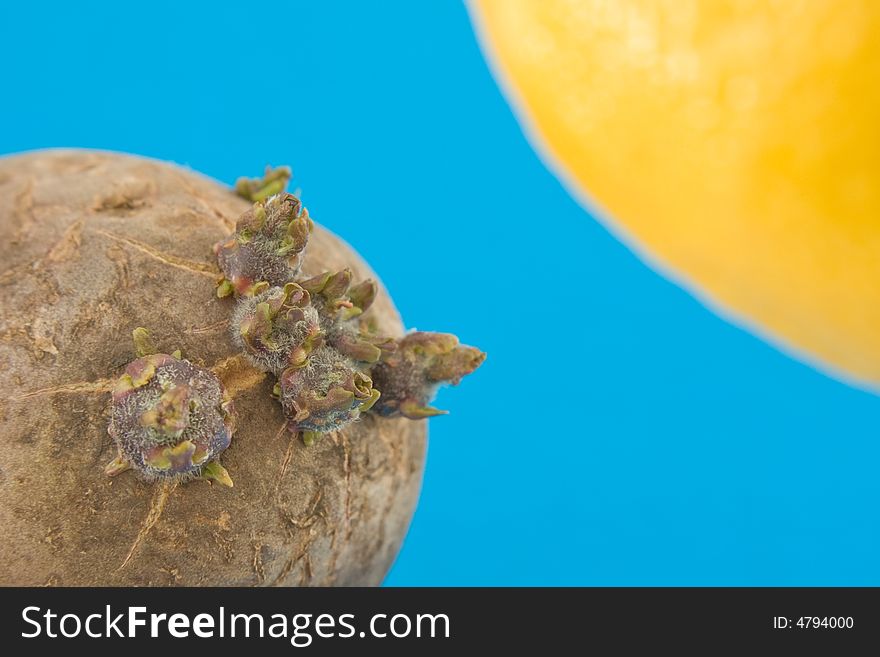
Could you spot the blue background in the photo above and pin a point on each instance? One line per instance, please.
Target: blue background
(619, 432)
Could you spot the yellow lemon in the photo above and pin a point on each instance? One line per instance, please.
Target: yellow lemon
(736, 143)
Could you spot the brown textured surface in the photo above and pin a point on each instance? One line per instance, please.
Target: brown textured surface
(96, 244)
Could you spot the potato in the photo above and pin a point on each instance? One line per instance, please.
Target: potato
(98, 244)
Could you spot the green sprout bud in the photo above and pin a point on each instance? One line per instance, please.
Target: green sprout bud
(278, 328)
(268, 245)
(410, 375)
(274, 181)
(169, 418)
(326, 394)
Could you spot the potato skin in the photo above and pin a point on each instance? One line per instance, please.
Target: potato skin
(96, 244)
